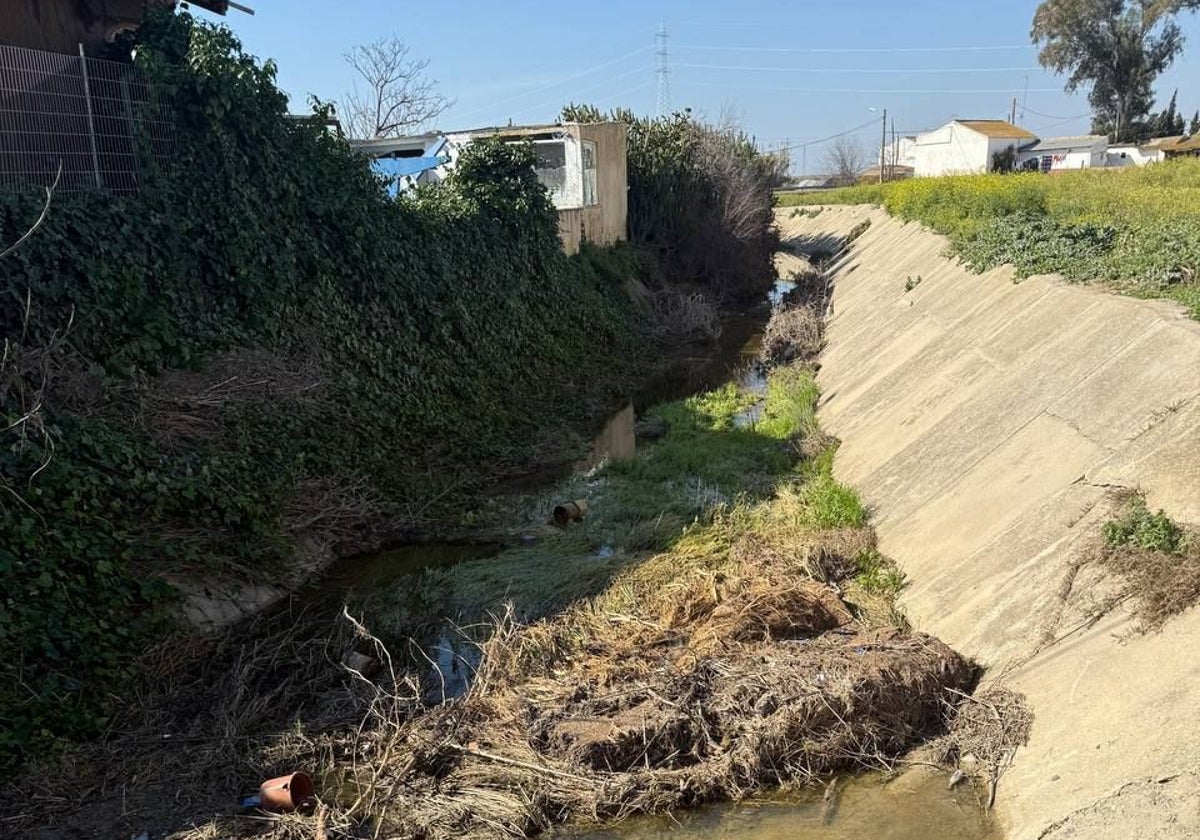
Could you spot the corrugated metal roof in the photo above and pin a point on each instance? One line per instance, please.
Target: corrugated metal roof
(998, 128)
(1057, 144)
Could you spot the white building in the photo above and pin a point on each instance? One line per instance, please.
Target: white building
(1140, 154)
(968, 146)
(1054, 154)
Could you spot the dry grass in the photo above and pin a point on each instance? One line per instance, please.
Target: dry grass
(704, 674)
(186, 405)
(1161, 584)
(796, 333)
(686, 315)
(987, 728)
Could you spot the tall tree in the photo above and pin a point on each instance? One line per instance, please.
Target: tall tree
(1116, 48)
(1169, 122)
(398, 96)
(1194, 128)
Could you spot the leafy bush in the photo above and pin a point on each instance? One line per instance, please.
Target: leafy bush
(700, 198)
(1139, 528)
(441, 338)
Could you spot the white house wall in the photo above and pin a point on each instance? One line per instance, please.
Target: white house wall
(952, 150)
(1132, 156)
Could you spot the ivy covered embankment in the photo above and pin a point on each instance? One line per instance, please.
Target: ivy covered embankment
(258, 348)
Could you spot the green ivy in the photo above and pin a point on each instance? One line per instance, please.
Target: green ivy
(449, 330)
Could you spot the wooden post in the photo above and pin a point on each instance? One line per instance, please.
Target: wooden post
(883, 147)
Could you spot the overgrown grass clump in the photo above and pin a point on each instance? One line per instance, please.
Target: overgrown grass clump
(1136, 228)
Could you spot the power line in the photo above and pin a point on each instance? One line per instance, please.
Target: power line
(558, 83)
(858, 128)
(604, 83)
(1055, 116)
(892, 70)
(827, 50)
(890, 91)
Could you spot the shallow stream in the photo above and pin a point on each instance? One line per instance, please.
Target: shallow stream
(916, 806)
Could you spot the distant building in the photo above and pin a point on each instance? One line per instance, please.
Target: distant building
(582, 165)
(62, 25)
(968, 146)
(1053, 154)
(1183, 147)
(1140, 154)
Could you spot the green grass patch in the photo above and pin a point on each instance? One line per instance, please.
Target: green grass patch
(709, 467)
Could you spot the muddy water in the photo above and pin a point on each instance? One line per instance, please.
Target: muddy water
(915, 807)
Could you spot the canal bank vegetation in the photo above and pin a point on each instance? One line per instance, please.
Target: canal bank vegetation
(1136, 229)
(261, 352)
(719, 623)
(257, 363)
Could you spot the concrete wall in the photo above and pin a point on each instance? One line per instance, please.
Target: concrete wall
(1132, 156)
(988, 424)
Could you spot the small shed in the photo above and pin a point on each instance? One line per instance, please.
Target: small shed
(1053, 154)
(582, 165)
(967, 146)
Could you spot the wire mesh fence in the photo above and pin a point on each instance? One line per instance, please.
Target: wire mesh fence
(96, 119)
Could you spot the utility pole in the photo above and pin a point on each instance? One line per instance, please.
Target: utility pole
(664, 73)
(883, 146)
(1013, 119)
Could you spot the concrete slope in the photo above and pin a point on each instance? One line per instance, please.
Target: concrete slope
(987, 423)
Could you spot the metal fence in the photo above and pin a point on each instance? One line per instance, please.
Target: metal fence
(94, 118)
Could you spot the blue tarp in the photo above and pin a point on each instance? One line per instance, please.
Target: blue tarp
(396, 168)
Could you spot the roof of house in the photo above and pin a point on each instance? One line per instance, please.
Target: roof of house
(998, 128)
(381, 146)
(1063, 144)
(1183, 144)
(1161, 142)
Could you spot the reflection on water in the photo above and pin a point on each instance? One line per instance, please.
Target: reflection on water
(375, 571)
(916, 806)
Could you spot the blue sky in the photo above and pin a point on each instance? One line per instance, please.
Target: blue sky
(792, 71)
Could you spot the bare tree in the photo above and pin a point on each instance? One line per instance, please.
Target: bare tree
(845, 159)
(398, 96)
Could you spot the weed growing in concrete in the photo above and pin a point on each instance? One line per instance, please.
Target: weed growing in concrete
(1158, 561)
(1139, 528)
